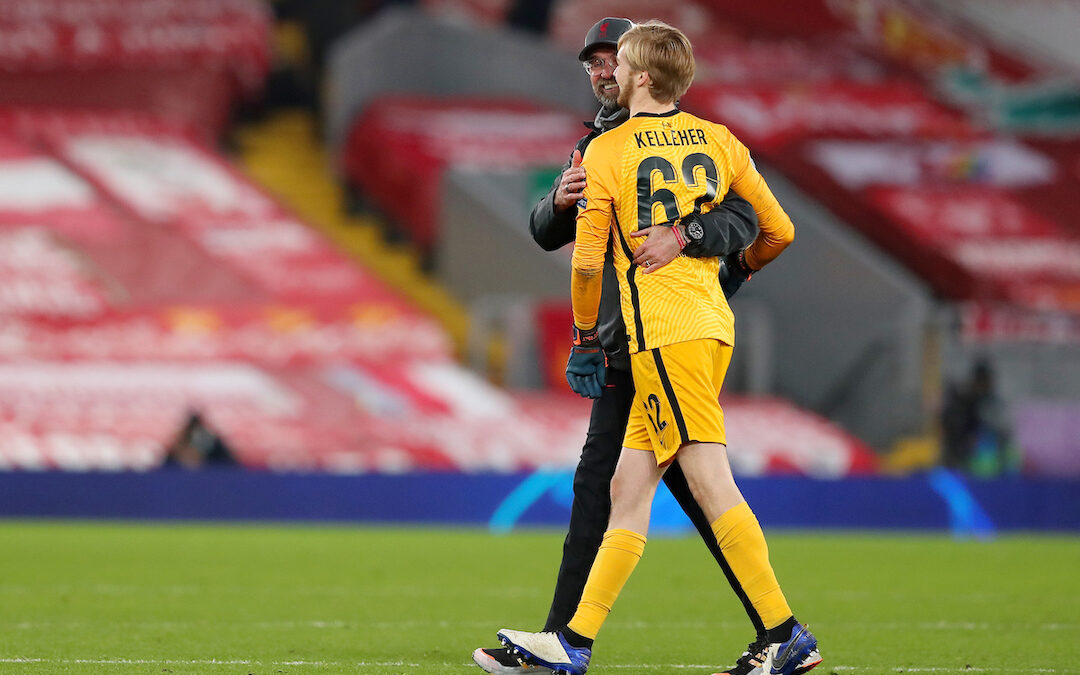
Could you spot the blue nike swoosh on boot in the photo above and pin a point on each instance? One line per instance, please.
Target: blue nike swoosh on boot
(801, 643)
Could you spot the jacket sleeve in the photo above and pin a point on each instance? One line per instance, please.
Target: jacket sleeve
(550, 228)
(729, 227)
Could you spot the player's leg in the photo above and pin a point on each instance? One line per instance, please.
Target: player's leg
(754, 654)
(632, 488)
(708, 474)
(676, 483)
(688, 402)
(591, 508)
(589, 514)
(792, 648)
(632, 491)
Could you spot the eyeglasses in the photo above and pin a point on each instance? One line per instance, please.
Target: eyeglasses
(596, 66)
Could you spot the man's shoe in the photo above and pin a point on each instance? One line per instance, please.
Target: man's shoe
(750, 661)
(502, 662)
(753, 658)
(550, 650)
(798, 655)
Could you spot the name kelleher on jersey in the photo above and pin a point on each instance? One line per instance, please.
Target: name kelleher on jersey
(662, 139)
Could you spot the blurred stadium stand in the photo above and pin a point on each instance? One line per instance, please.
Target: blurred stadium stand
(931, 228)
(316, 305)
(144, 276)
(183, 61)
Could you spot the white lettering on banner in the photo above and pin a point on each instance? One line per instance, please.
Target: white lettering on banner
(947, 217)
(1010, 324)
(460, 390)
(978, 220)
(38, 183)
(140, 381)
(52, 297)
(856, 164)
(32, 250)
(389, 460)
(162, 180)
(960, 216)
(132, 11)
(507, 442)
(76, 451)
(998, 162)
(763, 118)
(341, 278)
(490, 139)
(90, 40)
(22, 451)
(264, 238)
(145, 339)
(178, 37)
(369, 393)
(462, 126)
(28, 42)
(747, 62)
(1025, 257)
(39, 277)
(72, 35)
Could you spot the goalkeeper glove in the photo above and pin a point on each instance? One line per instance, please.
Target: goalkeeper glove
(586, 371)
(734, 272)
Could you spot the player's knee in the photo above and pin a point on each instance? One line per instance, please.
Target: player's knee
(704, 492)
(627, 495)
(620, 494)
(616, 490)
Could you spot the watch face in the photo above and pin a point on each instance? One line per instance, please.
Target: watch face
(695, 231)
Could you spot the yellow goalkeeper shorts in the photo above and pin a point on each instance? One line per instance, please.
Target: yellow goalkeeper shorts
(677, 397)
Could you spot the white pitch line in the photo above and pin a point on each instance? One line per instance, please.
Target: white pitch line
(405, 664)
(212, 662)
(337, 624)
(955, 670)
(190, 589)
(261, 625)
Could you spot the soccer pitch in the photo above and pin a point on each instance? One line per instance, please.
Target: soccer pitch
(179, 598)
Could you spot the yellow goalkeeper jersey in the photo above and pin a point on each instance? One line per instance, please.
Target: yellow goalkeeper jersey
(652, 170)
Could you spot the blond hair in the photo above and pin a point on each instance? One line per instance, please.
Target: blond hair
(665, 53)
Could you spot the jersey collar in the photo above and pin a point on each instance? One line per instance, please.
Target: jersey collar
(669, 113)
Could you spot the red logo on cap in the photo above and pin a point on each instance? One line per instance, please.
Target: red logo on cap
(603, 29)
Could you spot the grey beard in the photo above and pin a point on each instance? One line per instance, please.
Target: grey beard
(610, 117)
(606, 101)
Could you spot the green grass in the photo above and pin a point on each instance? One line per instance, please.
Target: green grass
(119, 598)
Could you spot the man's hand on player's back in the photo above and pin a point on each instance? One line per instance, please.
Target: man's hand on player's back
(660, 247)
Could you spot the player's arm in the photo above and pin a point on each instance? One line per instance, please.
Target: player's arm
(591, 238)
(728, 228)
(586, 368)
(775, 229)
(553, 226)
(731, 226)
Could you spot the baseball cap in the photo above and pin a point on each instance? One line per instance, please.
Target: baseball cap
(605, 33)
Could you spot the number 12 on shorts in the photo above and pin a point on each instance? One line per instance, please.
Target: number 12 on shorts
(653, 413)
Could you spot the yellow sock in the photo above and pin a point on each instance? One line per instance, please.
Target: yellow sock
(743, 543)
(619, 554)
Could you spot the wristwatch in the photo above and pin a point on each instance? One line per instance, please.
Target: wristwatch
(695, 233)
